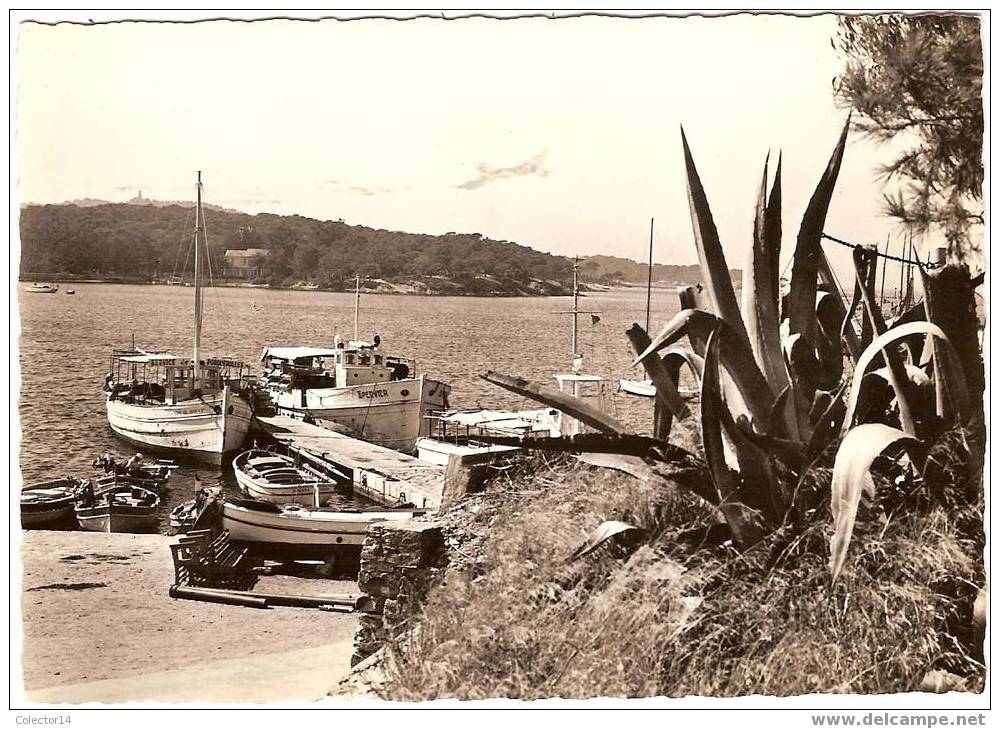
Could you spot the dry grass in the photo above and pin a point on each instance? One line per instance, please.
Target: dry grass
(518, 620)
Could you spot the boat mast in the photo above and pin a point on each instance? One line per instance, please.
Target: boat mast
(649, 274)
(357, 305)
(197, 287)
(576, 303)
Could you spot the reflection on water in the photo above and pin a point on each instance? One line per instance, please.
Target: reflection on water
(66, 343)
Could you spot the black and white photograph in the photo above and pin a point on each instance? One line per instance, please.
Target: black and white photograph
(500, 359)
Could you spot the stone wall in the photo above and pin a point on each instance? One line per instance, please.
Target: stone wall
(399, 563)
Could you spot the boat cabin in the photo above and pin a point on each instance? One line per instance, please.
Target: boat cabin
(142, 378)
(309, 368)
(589, 388)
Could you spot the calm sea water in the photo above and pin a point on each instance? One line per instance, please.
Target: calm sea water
(66, 342)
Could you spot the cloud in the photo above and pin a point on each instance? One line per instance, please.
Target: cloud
(363, 190)
(533, 167)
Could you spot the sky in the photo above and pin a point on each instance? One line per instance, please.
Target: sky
(563, 135)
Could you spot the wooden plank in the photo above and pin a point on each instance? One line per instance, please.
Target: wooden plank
(381, 474)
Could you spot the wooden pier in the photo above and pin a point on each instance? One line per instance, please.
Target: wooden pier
(381, 474)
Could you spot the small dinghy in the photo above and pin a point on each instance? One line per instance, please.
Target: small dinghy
(156, 485)
(280, 480)
(185, 515)
(49, 504)
(122, 508)
(296, 530)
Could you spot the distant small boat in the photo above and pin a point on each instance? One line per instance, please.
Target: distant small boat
(48, 503)
(642, 388)
(280, 480)
(298, 530)
(39, 288)
(124, 508)
(646, 388)
(70, 292)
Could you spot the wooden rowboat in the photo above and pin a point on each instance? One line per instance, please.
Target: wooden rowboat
(280, 480)
(292, 529)
(48, 504)
(123, 508)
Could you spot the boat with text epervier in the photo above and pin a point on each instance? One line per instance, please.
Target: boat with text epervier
(355, 386)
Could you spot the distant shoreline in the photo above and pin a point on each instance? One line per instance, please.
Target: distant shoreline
(401, 289)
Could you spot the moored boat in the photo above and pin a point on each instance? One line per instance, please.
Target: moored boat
(123, 508)
(49, 504)
(642, 388)
(185, 515)
(291, 529)
(281, 480)
(356, 387)
(189, 408)
(40, 288)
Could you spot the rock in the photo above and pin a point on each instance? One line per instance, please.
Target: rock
(941, 682)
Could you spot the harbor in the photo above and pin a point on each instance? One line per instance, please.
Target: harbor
(493, 356)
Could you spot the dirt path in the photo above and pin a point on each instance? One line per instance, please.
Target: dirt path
(98, 622)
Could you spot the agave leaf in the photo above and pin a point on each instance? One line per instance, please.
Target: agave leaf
(572, 406)
(738, 516)
(760, 299)
(718, 283)
(848, 334)
(827, 425)
(828, 351)
(734, 351)
(772, 233)
(897, 373)
(808, 251)
(956, 397)
(861, 446)
(666, 388)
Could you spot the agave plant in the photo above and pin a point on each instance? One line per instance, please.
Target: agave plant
(782, 378)
(772, 372)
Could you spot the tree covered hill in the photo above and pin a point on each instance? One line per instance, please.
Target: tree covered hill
(613, 269)
(143, 240)
(148, 241)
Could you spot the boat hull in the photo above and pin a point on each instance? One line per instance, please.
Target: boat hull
(642, 388)
(286, 493)
(305, 534)
(390, 414)
(52, 506)
(191, 429)
(101, 519)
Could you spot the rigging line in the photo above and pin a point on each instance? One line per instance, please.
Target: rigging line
(901, 259)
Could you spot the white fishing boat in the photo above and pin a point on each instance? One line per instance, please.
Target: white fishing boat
(49, 504)
(367, 393)
(185, 407)
(464, 433)
(279, 479)
(122, 508)
(296, 529)
(40, 288)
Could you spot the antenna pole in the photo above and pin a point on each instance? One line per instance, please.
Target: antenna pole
(885, 263)
(649, 273)
(357, 306)
(197, 287)
(576, 301)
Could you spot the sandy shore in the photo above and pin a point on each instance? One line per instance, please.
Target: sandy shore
(100, 626)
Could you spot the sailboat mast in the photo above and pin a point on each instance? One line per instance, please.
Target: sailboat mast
(197, 286)
(357, 306)
(576, 302)
(649, 273)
